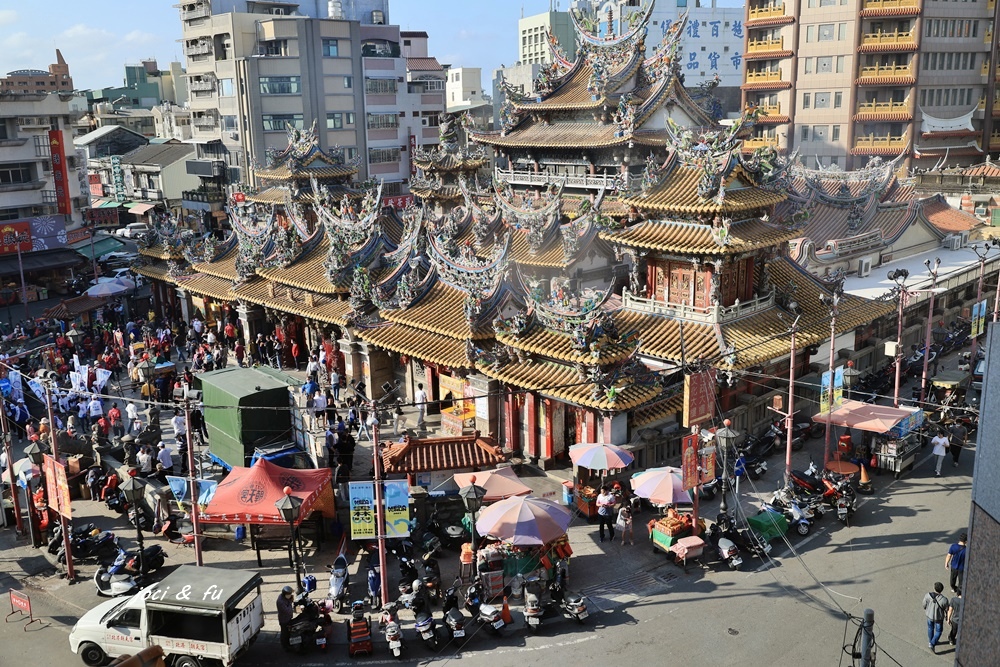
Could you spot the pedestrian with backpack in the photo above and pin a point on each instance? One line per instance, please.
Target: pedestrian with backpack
(935, 609)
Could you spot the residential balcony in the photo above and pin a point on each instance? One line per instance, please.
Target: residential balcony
(897, 40)
(199, 49)
(202, 86)
(985, 69)
(770, 109)
(205, 122)
(764, 76)
(883, 111)
(752, 143)
(765, 44)
(590, 182)
(995, 140)
(988, 37)
(201, 11)
(770, 11)
(890, 8)
(18, 187)
(880, 144)
(886, 75)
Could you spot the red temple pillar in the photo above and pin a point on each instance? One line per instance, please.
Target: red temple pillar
(532, 444)
(511, 410)
(606, 424)
(591, 426)
(547, 442)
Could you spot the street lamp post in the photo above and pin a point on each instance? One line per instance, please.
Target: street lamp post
(727, 438)
(472, 495)
(145, 369)
(940, 335)
(930, 317)
(134, 489)
(982, 252)
(831, 301)
(288, 508)
(75, 336)
(899, 277)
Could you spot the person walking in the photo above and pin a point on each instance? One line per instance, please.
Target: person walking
(954, 562)
(240, 353)
(940, 444)
(132, 414)
(399, 418)
(624, 524)
(605, 512)
(935, 609)
(959, 436)
(420, 398)
(164, 458)
(954, 617)
(144, 459)
(335, 385)
(319, 408)
(117, 426)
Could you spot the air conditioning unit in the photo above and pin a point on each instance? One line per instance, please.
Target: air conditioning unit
(980, 211)
(864, 267)
(425, 121)
(952, 242)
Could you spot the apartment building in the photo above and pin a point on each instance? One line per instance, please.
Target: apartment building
(532, 48)
(145, 85)
(57, 78)
(40, 171)
(841, 81)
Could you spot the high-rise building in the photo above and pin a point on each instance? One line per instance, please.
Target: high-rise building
(533, 31)
(57, 78)
(838, 79)
(254, 67)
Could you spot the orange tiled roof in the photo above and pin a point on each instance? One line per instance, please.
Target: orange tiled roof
(766, 85)
(447, 192)
(450, 162)
(885, 150)
(420, 344)
(68, 309)
(769, 21)
(558, 345)
(224, 267)
(947, 218)
(693, 238)
(678, 193)
(206, 285)
(767, 55)
(888, 46)
(160, 251)
(987, 169)
(154, 271)
(886, 80)
(661, 336)
(322, 307)
(423, 64)
(773, 119)
(882, 117)
(655, 412)
(568, 135)
(912, 10)
(415, 455)
(563, 382)
(283, 173)
(307, 272)
(442, 311)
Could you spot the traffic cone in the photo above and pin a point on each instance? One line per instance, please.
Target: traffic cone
(865, 485)
(505, 612)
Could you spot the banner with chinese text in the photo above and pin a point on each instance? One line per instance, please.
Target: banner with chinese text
(699, 397)
(60, 172)
(57, 486)
(689, 461)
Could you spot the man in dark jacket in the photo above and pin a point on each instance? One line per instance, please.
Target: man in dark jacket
(286, 611)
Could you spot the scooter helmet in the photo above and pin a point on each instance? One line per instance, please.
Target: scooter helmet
(95, 532)
(287, 590)
(427, 557)
(417, 583)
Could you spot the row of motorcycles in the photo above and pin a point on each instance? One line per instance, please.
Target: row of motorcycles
(121, 571)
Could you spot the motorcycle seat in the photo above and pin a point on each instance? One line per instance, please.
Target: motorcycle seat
(454, 532)
(487, 609)
(455, 615)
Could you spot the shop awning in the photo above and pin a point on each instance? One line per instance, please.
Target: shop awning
(248, 495)
(874, 418)
(39, 261)
(98, 203)
(111, 203)
(139, 208)
(101, 247)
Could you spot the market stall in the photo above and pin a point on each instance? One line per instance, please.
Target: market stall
(891, 435)
(597, 457)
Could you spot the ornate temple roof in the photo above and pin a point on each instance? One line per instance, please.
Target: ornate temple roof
(304, 159)
(673, 236)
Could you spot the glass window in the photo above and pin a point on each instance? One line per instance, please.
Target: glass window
(225, 87)
(808, 65)
(923, 97)
(810, 33)
(806, 100)
(229, 123)
(841, 31)
(835, 132)
(280, 85)
(382, 121)
(827, 3)
(948, 61)
(937, 97)
(804, 133)
(350, 118)
(937, 28)
(840, 64)
(838, 100)
(334, 121)
(380, 86)
(927, 28)
(350, 153)
(383, 155)
(951, 28)
(819, 132)
(821, 101)
(975, 27)
(824, 64)
(348, 82)
(331, 48)
(826, 32)
(276, 122)
(15, 172)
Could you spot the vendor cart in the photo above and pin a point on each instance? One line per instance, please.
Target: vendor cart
(894, 432)
(586, 502)
(768, 525)
(687, 548)
(666, 531)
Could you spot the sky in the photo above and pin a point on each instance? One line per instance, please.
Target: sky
(98, 37)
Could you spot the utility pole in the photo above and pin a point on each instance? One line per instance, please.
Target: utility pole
(379, 509)
(930, 317)
(867, 639)
(5, 427)
(192, 482)
(70, 571)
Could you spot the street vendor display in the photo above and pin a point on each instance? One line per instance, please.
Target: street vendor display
(668, 529)
(892, 434)
(598, 457)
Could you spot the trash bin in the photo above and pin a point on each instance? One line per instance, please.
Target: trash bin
(567, 495)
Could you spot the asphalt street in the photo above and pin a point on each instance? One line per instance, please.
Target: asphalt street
(790, 610)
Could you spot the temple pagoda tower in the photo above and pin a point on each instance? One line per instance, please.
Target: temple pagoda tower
(444, 166)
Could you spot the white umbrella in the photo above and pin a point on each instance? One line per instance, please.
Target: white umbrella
(122, 280)
(107, 290)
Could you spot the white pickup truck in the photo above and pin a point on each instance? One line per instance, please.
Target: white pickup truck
(199, 616)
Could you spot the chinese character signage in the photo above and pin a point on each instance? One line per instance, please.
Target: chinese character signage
(397, 508)
(15, 236)
(699, 397)
(398, 202)
(57, 486)
(60, 173)
(362, 510)
(118, 178)
(689, 461)
(413, 149)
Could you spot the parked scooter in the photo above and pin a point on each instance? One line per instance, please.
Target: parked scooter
(454, 619)
(571, 604)
(407, 575)
(812, 505)
(801, 431)
(339, 592)
(533, 610)
(745, 540)
(432, 577)
(426, 627)
(486, 614)
(112, 581)
(153, 558)
(76, 533)
(308, 629)
(99, 546)
(389, 622)
(752, 467)
(451, 535)
(796, 517)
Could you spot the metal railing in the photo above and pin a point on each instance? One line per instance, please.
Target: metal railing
(199, 12)
(708, 315)
(891, 4)
(199, 49)
(884, 107)
(895, 37)
(764, 75)
(760, 142)
(596, 181)
(878, 141)
(765, 44)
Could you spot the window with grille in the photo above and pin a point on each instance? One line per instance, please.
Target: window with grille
(15, 172)
(382, 121)
(383, 155)
(280, 85)
(380, 86)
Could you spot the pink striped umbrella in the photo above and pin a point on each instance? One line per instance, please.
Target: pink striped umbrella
(524, 521)
(599, 456)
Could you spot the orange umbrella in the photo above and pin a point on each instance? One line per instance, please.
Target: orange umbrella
(499, 484)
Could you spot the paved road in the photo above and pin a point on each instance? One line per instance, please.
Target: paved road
(775, 614)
